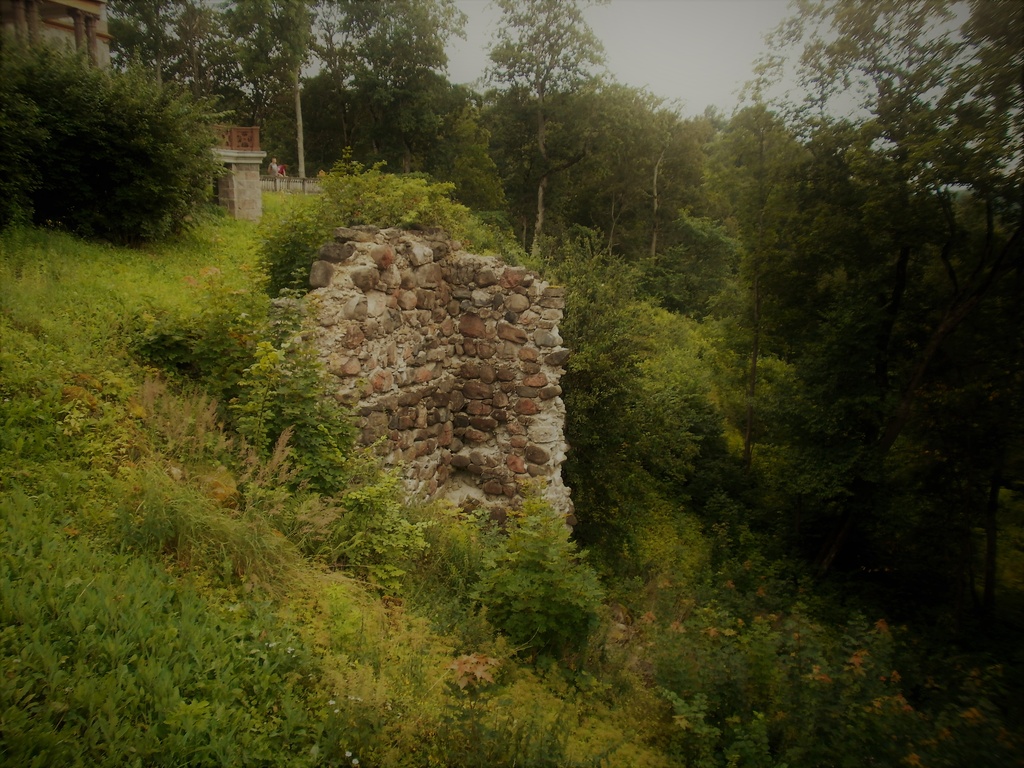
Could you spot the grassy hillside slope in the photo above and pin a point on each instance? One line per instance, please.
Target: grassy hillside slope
(174, 593)
(152, 612)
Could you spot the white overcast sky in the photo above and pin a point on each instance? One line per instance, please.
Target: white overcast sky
(699, 52)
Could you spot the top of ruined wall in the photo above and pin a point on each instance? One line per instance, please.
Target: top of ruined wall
(452, 359)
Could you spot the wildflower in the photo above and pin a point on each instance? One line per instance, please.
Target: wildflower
(331, 703)
(348, 753)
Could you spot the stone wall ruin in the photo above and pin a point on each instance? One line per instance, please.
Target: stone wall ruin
(453, 359)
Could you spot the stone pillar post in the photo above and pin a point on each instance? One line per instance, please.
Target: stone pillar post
(238, 189)
(90, 37)
(79, 18)
(20, 22)
(32, 11)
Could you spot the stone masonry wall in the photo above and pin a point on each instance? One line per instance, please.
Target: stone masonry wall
(453, 358)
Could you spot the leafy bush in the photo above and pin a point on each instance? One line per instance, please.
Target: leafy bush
(21, 135)
(535, 586)
(355, 195)
(214, 340)
(285, 388)
(108, 661)
(100, 153)
(364, 528)
(256, 358)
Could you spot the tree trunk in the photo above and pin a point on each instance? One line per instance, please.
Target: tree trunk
(301, 144)
(538, 226)
(654, 206)
(755, 347)
(542, 184)
(988, 597)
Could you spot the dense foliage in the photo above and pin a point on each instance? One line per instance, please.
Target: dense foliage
(102, 154)
(357, 195)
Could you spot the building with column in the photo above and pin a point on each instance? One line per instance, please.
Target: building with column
(78, 24)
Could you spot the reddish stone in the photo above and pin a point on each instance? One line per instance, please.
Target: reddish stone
(478, 408)
(354, 337)
(472, 325)
(382, 256)
(423, 375)
(529, 353)
(516, 464)
(475, 436)
(476, 390)
(445, 438)
(537, 380)
(512, 276)
(382, 380)
(527, 407)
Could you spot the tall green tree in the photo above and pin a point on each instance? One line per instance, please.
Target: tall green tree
(271, 40)
(142, 32)
(755, 165)
(909, 223)
(386, 63)
(184, 41)
(643, 166)
(545, 53)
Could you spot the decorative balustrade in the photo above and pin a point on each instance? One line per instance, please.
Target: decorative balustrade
(291, 184)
